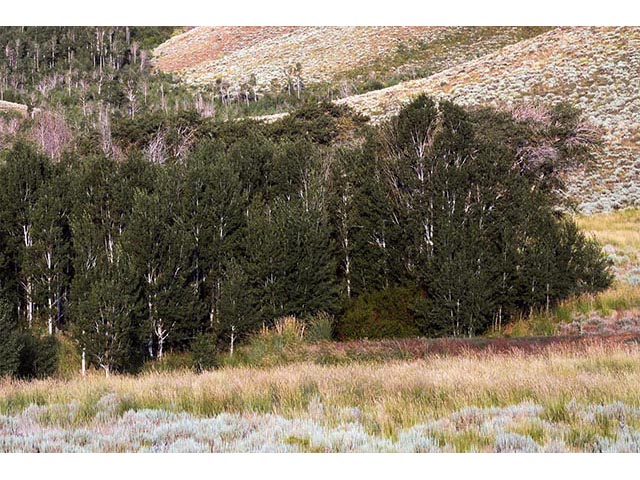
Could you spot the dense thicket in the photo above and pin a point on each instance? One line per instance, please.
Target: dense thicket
(89, 76)
(441, 221)
(85, 71)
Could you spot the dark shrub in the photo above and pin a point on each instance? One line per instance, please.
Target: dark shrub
(9, 340)
(38, 356)
(204, 352)
(382, 314)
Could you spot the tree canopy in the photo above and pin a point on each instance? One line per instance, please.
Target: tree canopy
(441, 221)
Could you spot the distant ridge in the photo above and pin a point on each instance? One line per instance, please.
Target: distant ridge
(234, 54)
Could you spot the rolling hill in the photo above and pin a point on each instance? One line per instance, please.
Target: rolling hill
(204, 54)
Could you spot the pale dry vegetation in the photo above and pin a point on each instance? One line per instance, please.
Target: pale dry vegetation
(234, 54)
(563, 398)
(619, 229)
(619, 233)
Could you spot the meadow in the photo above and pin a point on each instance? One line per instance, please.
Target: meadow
(584, 398)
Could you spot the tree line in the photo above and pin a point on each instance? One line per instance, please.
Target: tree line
(94, 73)
(452, 216)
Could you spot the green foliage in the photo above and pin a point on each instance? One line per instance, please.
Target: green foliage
(290, 259)
(278, 345)
(320, 327)
(204, 351)
(318, 122)
(38, 356)
(69, 358)
(134, 252)
(480, 233)
(10, 345)
(383, 314)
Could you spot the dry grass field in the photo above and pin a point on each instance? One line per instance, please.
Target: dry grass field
(560, 399)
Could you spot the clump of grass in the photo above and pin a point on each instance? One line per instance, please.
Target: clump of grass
(20, 399)
(320, 327)
(620, 297)
(277, 345)
(288, 328)
(470, 441)
(532, 429)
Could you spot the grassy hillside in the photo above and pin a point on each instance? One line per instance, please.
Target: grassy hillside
(327, 54)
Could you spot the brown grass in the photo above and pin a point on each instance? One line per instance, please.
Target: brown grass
(620, 228)
(391, 395)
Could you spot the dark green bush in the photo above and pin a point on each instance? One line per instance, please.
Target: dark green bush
(204, 351)
(38, 356)
(9, 340)
(383, 314)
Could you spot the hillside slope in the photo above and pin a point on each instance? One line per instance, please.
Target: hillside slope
(594, 68)
(204, 54)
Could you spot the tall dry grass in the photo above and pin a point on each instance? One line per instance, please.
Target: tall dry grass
(620, 228)
(390, 395)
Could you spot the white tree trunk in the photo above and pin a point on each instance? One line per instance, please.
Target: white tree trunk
(162, 334)
(29, 298)
(232, 340)
(50, 316)
(28, 283)
(160, 347)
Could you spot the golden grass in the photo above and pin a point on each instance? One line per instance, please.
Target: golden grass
(621, 297)
(391, 395)
(620, 228)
